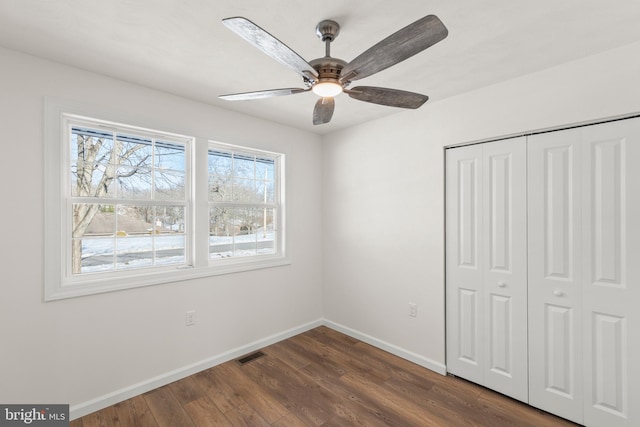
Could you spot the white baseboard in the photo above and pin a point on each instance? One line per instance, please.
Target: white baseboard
(393, 349)
(82, 409)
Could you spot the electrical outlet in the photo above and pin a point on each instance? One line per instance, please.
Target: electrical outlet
(413, 309)
(190, 318)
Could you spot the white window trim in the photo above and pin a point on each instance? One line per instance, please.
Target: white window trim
(57, 287)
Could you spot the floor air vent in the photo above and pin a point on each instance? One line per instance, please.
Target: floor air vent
(249, 357)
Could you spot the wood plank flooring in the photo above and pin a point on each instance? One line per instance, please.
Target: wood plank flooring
(320, 378)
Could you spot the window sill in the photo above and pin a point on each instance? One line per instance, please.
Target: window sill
(88, 286)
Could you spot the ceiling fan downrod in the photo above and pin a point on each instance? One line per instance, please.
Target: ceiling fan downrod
(327, 30)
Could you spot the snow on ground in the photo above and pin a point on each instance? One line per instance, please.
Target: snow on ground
(132, 245)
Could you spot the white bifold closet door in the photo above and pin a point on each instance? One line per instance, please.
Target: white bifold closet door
(584, 273)
(555, 273)
(486, 265)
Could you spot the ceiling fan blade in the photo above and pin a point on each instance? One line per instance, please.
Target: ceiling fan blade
(323, 110)
(270, 45)
(389, 97)
(401, 45)
(261, 94)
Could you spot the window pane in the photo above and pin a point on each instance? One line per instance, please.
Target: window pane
(243, 166)
(134, 252)
(170, 156)
(221, 233)
(170, 220)
(219, 188)
(96, 255)
(92, 219)
(134, 151)
(134, 220)
(265, 192)
(248, 220)
(169, 185)
(90, 145)
(92, 244)
(265, 169)
(133, 183)
(266, 232)
(235, 231)
(220, 175)
(170, 249)
(91, 180)
(245, 241)
(220, 163)
(244, 191)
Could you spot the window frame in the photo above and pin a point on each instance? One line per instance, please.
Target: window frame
(69, 121)
(277, 204)
(58, 285)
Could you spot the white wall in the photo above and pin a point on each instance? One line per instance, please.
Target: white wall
(76, 350)
(383, 210)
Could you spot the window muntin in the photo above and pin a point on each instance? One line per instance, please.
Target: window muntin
(128, 199)
(244, 203)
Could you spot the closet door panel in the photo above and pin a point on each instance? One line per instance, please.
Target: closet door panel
(559, 356)
(505, 271)
(554, 274)
(464, 259)
(611, 272)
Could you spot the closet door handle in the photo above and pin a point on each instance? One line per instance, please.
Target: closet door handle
(502, 285)
(558, 293)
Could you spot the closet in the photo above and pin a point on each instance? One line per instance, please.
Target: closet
(543, 270)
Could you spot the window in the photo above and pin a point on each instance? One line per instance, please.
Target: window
(127, 206)
(128, 197)
(243, 203)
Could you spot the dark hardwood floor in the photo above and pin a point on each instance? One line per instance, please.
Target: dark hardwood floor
(320, 378)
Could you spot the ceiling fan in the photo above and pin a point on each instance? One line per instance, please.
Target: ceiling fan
(328, 77)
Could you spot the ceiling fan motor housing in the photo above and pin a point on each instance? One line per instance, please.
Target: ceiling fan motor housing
(328, 68)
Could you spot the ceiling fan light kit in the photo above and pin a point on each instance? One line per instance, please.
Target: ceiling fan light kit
(328, 77)
(328, 88)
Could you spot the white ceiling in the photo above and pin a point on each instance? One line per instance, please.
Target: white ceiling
(181, 46)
